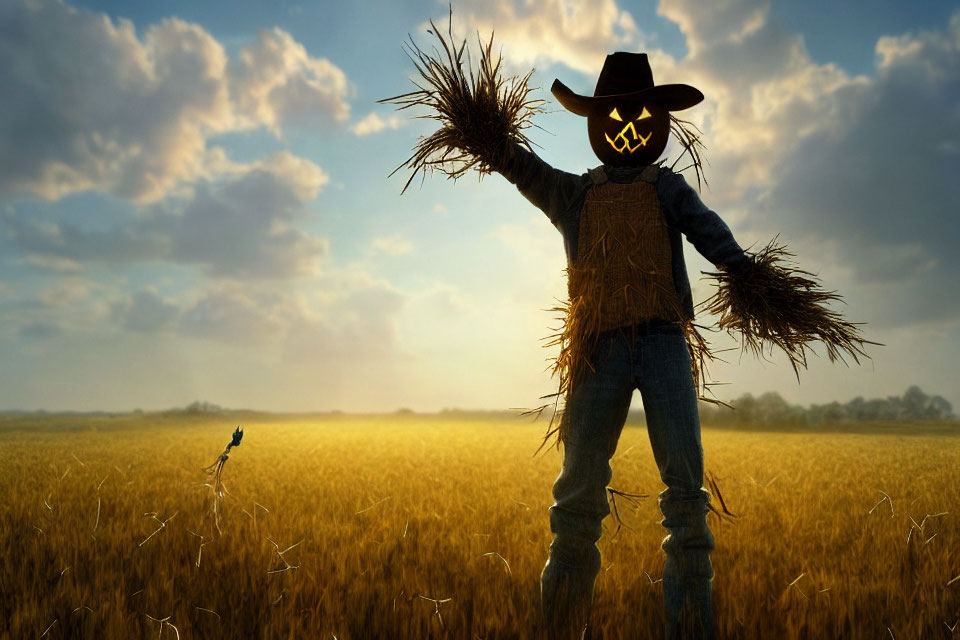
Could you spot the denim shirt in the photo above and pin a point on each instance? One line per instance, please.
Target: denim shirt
(560, 195)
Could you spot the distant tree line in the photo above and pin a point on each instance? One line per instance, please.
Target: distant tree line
(770, 409)
(199, 407)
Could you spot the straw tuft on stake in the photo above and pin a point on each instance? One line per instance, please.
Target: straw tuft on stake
(479, 111)
(216, 469)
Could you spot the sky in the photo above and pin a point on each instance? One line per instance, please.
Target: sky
(196, 201)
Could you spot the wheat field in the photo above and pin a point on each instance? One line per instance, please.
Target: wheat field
(412, 527)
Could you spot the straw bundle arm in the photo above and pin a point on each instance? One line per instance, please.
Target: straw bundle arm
(771, 303)
(480, 113)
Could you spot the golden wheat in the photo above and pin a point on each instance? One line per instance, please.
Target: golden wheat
(412, 527)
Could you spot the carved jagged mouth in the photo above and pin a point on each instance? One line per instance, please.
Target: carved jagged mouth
(628, 140)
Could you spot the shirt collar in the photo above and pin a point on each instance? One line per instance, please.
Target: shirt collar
(625, 175)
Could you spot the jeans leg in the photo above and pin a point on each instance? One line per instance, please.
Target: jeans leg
(687, 570)
(673, 423)
(594, 416)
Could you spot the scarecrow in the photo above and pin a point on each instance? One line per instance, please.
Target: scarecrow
(628, 322)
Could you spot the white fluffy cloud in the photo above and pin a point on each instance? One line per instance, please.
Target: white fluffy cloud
(764, 94)
(275, 82)
(577, 33)
(374, 123)
(90, 105)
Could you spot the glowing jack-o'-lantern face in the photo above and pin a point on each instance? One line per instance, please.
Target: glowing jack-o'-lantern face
(629, 134)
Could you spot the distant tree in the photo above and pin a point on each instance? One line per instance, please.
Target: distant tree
(916, 405)
(773, 410)
(199, 406)
(746, 409)
(941, 408)
(819, 414)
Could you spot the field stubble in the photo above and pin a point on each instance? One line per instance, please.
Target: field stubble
(410, 527)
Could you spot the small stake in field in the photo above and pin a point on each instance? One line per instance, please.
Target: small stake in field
(216, 469)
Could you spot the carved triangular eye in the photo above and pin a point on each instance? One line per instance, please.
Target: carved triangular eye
(645, 114)
(616, 115)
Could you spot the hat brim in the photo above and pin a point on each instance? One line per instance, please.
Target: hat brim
(673, 97)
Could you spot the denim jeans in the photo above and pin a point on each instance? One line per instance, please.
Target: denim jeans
(655, 360)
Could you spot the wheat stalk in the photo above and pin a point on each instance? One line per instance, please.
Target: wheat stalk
(162, 523)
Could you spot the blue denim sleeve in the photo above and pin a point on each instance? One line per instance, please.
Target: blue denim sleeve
(553, 191)
(708, 233)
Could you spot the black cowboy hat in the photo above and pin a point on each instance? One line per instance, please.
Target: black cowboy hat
(626, 77)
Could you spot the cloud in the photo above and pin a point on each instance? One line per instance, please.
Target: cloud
(353, 323)
(763, 92)
(146, 312)
(858, 170)
(52, 263)
(275, 82)
(240, 226)
(90, 105)
(535, 236)
(234, 315)
(373, 123)
(577, 33)
(244, 227)
(363, 329)
(534, 251)
(442, 301)
(883, 178)
(39, 330)
(716, 25)
(352, 318)
(65, 293)
(392, 245)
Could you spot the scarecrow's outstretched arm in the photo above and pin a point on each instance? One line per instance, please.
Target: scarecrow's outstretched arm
(762, 296)
(708, 233)
(550, 190)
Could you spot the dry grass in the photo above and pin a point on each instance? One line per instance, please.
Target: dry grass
(769, 302)
(480, 112)
(426, 527)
